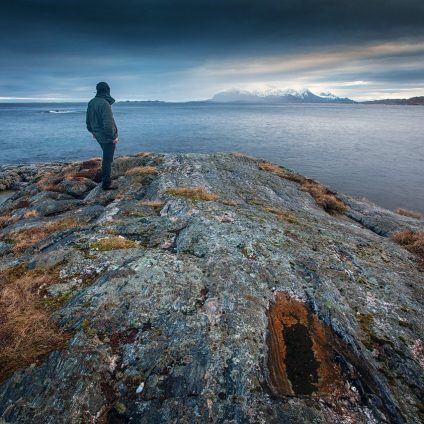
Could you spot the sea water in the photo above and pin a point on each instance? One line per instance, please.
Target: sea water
(372, 151)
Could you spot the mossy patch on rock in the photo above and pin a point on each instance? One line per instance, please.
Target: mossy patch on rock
(57, 301)
(113, 243)
(193, 193)
(142, 170)
(283, 215)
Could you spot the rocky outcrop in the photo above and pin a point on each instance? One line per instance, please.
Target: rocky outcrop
(15, 177)
(207, 289)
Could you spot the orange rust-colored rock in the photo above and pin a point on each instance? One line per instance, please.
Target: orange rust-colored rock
(299, 351)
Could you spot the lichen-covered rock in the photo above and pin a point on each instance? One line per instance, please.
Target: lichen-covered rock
(14, 177)
(77, 187)
(48, 195)
(254, 307)
(4, 247)
(380, 221)
(53, 207)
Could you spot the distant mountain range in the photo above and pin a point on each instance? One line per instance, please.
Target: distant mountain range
(277, 96)
(413, 101)
(287, 96)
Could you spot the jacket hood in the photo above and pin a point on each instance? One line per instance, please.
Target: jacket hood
(106, 96)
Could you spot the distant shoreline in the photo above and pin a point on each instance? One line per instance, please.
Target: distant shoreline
(387, 102)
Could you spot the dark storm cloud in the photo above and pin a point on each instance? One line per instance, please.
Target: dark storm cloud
(216, 25)
(60, 48)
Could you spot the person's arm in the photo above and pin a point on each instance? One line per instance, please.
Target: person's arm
(87, 122)
(109, 126)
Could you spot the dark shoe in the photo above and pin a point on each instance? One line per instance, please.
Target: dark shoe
(111, 186)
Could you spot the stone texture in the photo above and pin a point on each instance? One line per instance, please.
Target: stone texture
(14, 177)
(4, 247)
(54, 207)
(226, 312)
(78, 187)
(379, 220)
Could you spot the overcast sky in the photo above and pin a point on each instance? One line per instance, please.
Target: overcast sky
(191, 49)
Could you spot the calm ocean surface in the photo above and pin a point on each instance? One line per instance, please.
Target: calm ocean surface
(374, 151)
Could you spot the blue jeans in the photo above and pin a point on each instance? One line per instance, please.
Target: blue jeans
(108, 151)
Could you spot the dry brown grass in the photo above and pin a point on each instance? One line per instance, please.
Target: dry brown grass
(193, 193)
(243, 155)
(229, 202)
(113, 243)
(26, 331)
(23, 239)
(91, 163)
(90, 169)
(271, 167)
(411, 240)
(3, 220)
(6, 220)
(322, 195)
(31, 214)
(94, 174)
(283, 215)
(142, 170)
(75, 177)
(49, 182)
(281, 172)
(409, 213)
(142, 154)
(157, 204)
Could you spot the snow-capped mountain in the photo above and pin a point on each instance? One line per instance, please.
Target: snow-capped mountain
(328, 95)
(288, 95)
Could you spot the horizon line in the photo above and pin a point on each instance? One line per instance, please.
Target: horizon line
(10, 99)
(209, 100)
(19, 99)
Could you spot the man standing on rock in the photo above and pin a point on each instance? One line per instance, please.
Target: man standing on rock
(101, 124)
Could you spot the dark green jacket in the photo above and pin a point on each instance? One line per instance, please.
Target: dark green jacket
(100, 120)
